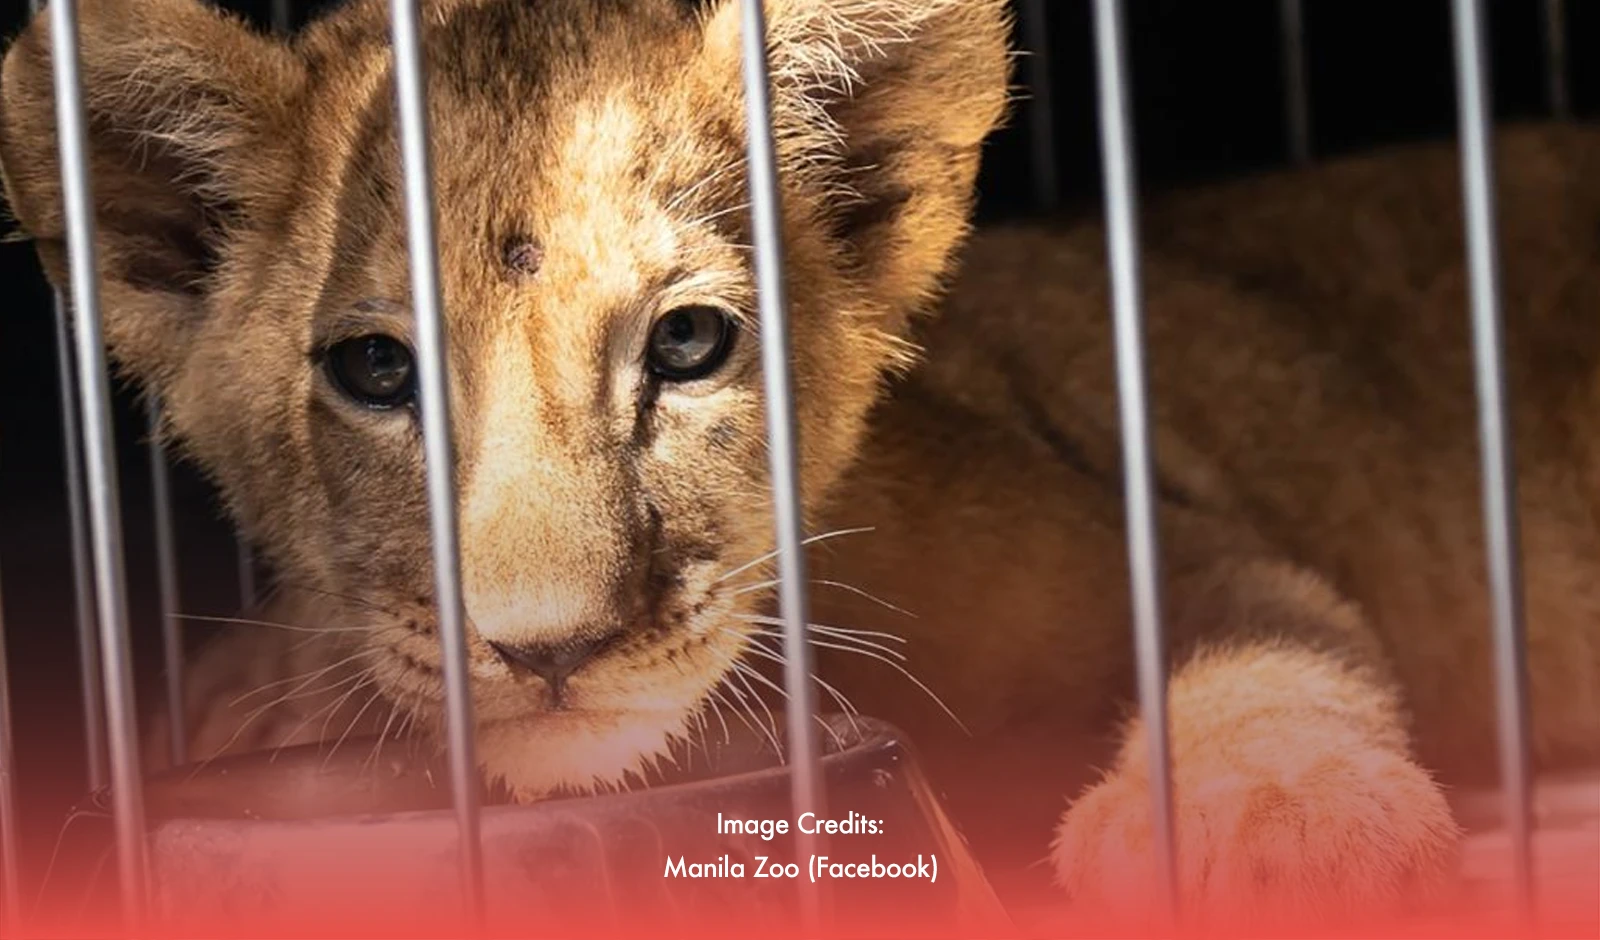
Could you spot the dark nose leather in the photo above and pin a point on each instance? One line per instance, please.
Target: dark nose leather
(554, 662)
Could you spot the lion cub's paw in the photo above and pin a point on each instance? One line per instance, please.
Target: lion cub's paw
(1343, 838)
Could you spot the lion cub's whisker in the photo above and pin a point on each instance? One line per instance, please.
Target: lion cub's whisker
(872, 654)
(849, 708)
(772, 720)
(263, 709)
(777, 657)
(745, 703)
(332, 711)
(376, 754)
(376, 695)
(716, 710)
(811, 540)
(720, 213)
(743, 714)
(368, 603)
(721, 173)
(309, 693)
(838, 633)
(303, 678)
(699, 720)
(248, 622)
(843, 700)
(844, 703)
(773, 582)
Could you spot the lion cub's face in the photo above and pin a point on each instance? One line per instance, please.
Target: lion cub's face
(597, 279)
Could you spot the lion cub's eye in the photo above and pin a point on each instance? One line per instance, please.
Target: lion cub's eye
(690, 342)
(374, 370)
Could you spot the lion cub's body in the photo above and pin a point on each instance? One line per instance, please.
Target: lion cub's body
(1313, 404)
(1312, 399)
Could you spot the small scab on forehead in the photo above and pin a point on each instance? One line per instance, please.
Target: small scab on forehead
(521, 256)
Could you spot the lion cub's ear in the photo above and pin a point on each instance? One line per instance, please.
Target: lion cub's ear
(888, 101)
(187, 112)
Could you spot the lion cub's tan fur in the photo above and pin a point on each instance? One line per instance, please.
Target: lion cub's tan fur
(1311, 385)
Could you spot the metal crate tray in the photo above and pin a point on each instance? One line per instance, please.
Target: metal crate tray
(302, 843)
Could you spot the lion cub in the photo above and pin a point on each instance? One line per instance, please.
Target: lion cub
(1312, 397)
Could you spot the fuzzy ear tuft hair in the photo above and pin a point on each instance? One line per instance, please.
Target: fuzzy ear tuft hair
(186, 108)
(887, 102)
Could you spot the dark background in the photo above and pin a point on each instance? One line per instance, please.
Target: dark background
(1208, 104)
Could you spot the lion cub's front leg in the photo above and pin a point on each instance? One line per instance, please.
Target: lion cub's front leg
(1296, 800)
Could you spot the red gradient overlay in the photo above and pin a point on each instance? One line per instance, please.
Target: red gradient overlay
(389, 882)
(582, 873)
(609, 920)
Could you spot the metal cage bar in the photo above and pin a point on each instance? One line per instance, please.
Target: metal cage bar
(167, 587)
(1041, 106)
(1296, 89)
(127, 790)
(93, 697)
(1557, 87)
(282, 16)
(247, 575)
(94, 715)
(433, 398)
(1122, 245)
(766, 214)
(1499, 472)
(10, 889)
(283, 24)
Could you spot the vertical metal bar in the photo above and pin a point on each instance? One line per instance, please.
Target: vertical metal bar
(94, 716)
(433, 399)
(1041, 109)
(766, 212)
(1555, 55)
(1122, 243)
(127, 789)
(247, 576)
(10, 858)
(1499, 472)
(1296, 91)
(282, 24)
(94, 708)
(167, 582)
(282, 16)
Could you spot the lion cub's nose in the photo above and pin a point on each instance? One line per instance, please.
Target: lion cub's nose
(554, 662)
